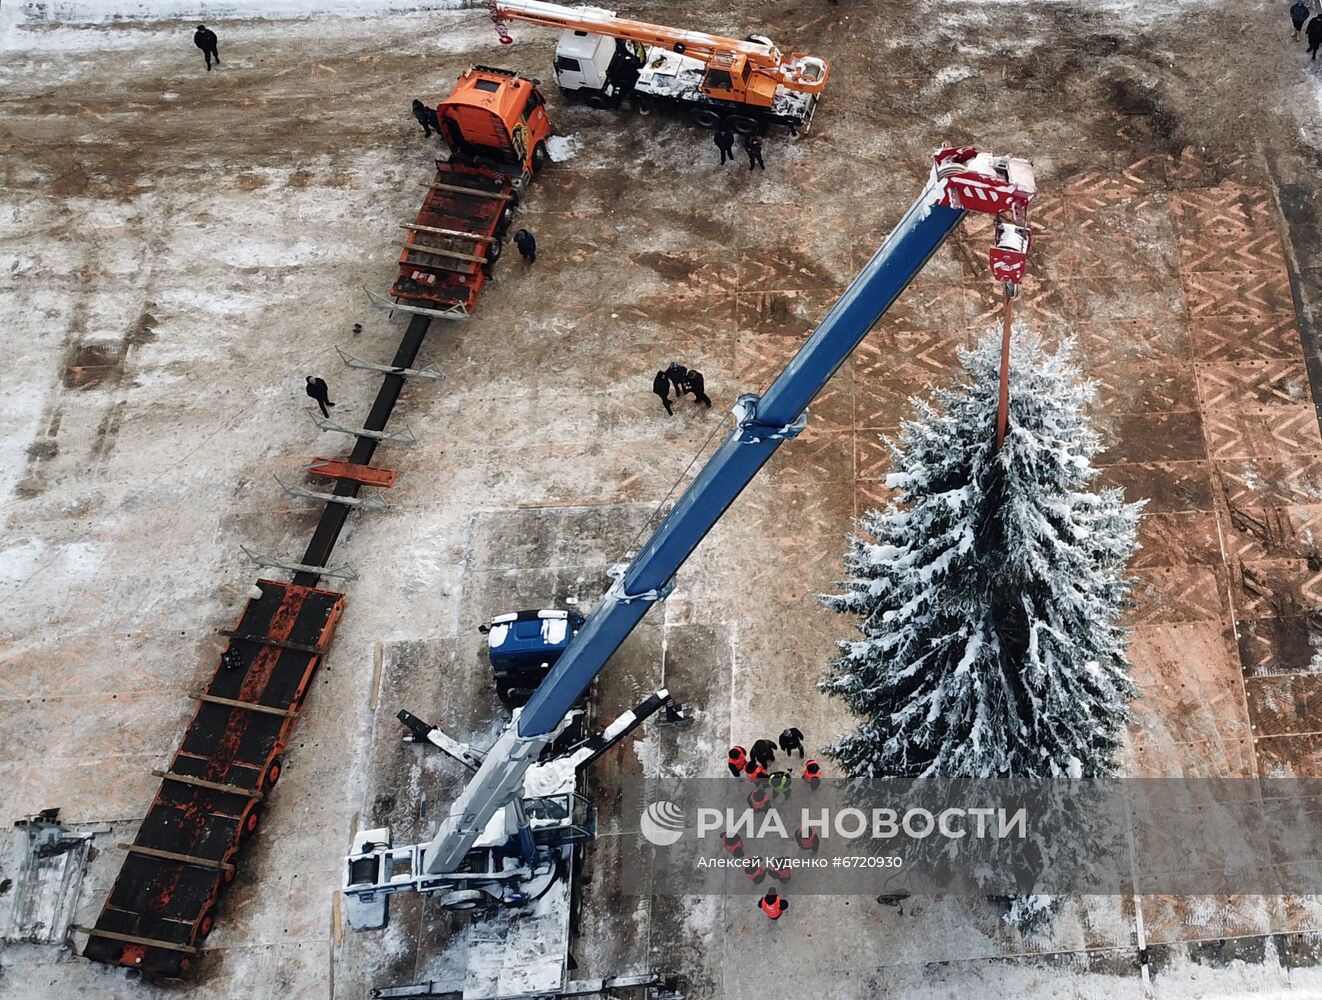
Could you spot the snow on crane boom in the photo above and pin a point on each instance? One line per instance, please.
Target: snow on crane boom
(469, 848)
(602, 58)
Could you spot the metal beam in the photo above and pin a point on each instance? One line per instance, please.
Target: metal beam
(373, 504)
(351, 362)
(342, 572)
(457, 313)
(213, 786)
(399, 437)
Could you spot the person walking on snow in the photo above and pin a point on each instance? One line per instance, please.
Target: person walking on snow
(317, 389)
(1298, 15)
(753, 146)
(661, 386)
(205, 39)
(1314, 33)
(695, 384)
(772, 904)
(527, 244)
(724, 140)
(791, 741)
(427, 118)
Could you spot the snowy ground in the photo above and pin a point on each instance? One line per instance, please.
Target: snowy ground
(183, 247)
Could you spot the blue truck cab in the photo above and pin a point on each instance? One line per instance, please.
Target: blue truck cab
(523, 647)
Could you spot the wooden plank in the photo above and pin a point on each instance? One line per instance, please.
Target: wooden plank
(478, 192)
(439, 251)
(187, 949)
(213, 786)
(457, 234)
(266, 640)
(368, 475)
(187, 859)
(251, 706)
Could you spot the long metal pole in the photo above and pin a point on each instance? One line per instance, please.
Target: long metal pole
(1003, 406)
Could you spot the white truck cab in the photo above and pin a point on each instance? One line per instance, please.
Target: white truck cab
(596, 69)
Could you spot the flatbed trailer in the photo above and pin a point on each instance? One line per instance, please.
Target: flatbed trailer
(187, 850)
(445, 258)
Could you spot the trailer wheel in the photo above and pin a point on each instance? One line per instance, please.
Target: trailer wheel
(250, 823)
(230, 874)
(205, 925)
(742, 124)
(539, 157)
(273, 772)
(706, 118)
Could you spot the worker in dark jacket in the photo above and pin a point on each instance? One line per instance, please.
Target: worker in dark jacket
(527, 244)
(696, 384)
(317, 389)
(205, 39)
(1314, 33)
(764, 752)
(661, 386)
(753, 147)
(791, 741)
(724, 140)
(679, 377)
(427, 118)
(1298, 15)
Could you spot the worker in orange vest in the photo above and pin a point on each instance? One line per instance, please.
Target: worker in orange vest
(759, 798)
(755, 771)
(736, 760)
(755, 872)
(779, 870)
(812, 773)
(772, 904)
(808, 841)
(733, 844)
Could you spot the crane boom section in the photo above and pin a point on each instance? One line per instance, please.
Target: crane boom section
(962, 179)
(597, 21)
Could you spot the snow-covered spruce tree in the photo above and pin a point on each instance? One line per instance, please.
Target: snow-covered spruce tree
(990, 588)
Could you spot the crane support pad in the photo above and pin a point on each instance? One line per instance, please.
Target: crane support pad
(187, 849)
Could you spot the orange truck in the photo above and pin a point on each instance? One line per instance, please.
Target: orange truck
(494, 123)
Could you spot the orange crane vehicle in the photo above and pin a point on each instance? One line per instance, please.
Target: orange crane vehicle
(602, 59)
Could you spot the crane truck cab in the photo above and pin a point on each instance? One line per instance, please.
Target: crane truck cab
(596, 69)
(523, 646)
(494, 117)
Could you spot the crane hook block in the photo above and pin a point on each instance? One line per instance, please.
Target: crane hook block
(751, 430)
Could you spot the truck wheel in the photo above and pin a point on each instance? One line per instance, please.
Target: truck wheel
(461, 899)
(742, 124)
(539, 157)
(272, 774)
(706, 118)
(597, 102)
(639, 103)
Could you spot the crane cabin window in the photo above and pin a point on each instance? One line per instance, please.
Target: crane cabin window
(535, 101)
(567, 64)
(718, 79)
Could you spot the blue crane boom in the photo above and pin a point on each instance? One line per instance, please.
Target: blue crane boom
(962, 179)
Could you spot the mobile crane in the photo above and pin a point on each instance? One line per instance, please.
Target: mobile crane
(492, 842)
(601, 59)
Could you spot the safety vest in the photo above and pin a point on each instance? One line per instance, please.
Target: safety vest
(808, 841)
(780, 782)
(812, 772)
(755, 771)
(773, 909)
(781, 872)
(734, 845)
(755, 872)
(738, 757)
(759, 799)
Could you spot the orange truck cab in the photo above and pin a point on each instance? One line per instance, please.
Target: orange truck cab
(494, 117)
